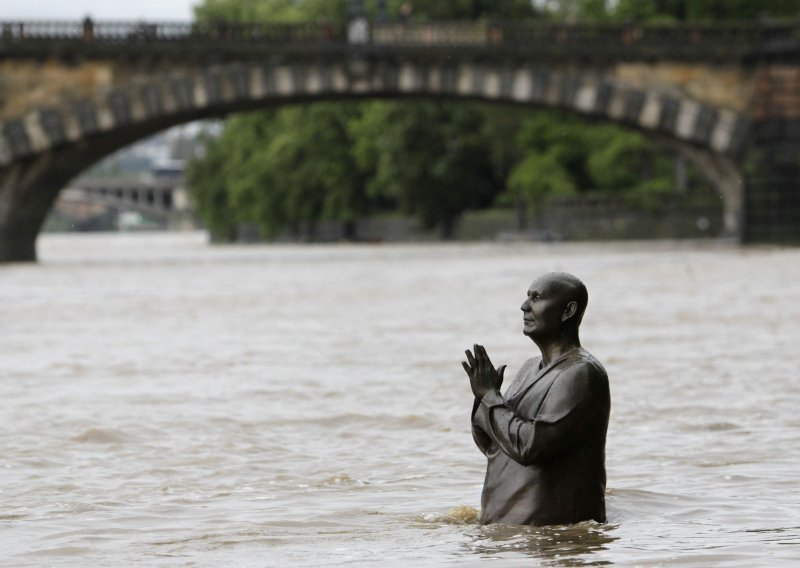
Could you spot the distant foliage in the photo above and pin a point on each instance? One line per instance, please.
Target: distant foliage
(288, 169)
(293, 11)
(209, 187)
(664, 11)
(271, 11)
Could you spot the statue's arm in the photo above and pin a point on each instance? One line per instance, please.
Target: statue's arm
(570, 405)
(482, 439)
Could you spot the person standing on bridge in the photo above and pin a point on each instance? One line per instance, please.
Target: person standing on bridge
(545, 440)
(406, 11)
(88, 29)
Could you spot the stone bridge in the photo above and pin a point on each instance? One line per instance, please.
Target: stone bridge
(158, 196)
(726, 97)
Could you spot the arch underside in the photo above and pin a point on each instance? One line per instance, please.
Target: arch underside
(42, 151)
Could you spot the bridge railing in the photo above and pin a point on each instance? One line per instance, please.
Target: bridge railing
(524, 35)
(547, 34)
(440, 33)
(158, 32)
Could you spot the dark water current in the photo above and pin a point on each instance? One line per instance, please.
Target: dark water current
(169, 404)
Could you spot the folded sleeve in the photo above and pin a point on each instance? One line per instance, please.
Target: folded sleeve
(481, 438)
(571, 401)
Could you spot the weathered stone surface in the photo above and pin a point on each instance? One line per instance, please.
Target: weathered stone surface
(723, 86)
(25, 85)
(777, 89)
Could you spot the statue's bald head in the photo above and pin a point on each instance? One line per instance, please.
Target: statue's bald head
(571, 289)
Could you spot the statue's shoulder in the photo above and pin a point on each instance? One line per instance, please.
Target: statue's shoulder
(592, 361)
(584, 365)
(582, 381)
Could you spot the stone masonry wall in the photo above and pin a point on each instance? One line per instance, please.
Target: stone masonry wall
(724, 86)
(25, 85)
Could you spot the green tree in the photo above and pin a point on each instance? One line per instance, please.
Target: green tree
(552, 162)
(541, 175)
(210, 193)
(473, 9)
(500, 127)
(669, 10)
(313, 167)
(562, 155)
(287, 169)
(716, 10)
(429, 159)
(272, 11)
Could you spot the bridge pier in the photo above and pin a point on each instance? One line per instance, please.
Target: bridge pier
(773, 165)
(728, 179)
(29, 187)
(773, 196)
(17, 244)
(27, 192)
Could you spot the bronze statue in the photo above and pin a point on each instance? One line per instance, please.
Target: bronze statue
(545, 439)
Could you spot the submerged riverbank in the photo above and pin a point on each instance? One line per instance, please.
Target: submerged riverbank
(585, 218)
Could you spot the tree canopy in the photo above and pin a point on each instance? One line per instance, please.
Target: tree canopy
(664, 11)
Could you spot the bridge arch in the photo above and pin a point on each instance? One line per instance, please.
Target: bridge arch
(41, 151)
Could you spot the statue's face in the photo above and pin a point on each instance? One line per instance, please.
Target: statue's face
(543, 308)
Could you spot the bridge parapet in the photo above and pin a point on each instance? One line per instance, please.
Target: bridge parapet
(134, 33)
(535, 39)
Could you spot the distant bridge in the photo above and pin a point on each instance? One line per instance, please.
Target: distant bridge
(726, 97)
(146, 194)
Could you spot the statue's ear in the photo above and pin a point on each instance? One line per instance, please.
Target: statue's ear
(570, 310)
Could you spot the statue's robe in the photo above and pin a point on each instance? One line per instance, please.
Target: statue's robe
(545, 443)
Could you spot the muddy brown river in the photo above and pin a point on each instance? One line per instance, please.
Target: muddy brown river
(168, 403)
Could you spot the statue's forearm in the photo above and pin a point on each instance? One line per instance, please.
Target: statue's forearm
(526, 441)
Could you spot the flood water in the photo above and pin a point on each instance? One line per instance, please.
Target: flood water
(167, 403)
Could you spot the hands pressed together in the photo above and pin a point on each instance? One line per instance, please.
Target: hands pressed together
(483, 377)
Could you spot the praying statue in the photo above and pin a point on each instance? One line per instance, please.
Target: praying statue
(545, 438)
